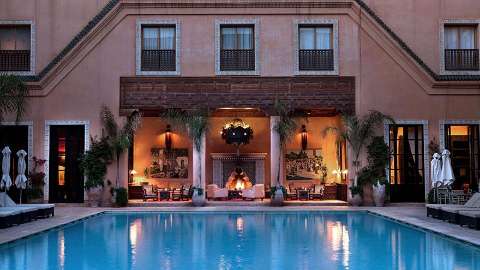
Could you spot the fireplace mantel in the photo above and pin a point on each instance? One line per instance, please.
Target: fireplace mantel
(219, 160)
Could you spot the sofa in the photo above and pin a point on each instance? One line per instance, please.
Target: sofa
(214, 192)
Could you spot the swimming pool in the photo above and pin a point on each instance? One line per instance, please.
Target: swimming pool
(238, 240)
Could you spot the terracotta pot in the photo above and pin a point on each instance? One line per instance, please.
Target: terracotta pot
(367, 196)
(355, 200)
(94, 195)
(277, 199)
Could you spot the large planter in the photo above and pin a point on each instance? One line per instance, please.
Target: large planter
(379, 194)
(367, 196)
(198, 200)
(277, 199)
(94, 196)
(355, 200)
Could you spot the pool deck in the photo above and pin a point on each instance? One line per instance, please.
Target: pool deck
(415, 215)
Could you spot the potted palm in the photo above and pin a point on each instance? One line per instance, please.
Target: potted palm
(285, 127)
(196, 125)
(358, 131)
(374, 174)
(119, 139)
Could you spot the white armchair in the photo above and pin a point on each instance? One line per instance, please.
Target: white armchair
(214, 192)
(255, 192)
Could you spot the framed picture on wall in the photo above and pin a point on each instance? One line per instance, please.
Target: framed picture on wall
(305, 165)
(171, 163)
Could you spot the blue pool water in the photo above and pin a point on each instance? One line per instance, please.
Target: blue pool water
(259, 240)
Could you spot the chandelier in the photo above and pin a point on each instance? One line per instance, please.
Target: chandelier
(237, 132)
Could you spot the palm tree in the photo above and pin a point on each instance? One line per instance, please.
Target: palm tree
(118, 138)
(13, 96)
(196, 125)
(357, 131)
(285, 127)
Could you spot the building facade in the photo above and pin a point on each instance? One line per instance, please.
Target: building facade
(416, 61)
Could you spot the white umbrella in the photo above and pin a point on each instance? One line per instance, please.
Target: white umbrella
(447, 171)
(436, 169)
(6, 180)
(21, 179)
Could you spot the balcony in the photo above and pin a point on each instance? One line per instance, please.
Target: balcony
(237, 60)
(158, 60)
(14, 60)
(315, 60)
(461, 59)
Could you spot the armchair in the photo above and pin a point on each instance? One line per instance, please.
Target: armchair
(317, 192)
(214, 192)
(150, 192)
(255, 192)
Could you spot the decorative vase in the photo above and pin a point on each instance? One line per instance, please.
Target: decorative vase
(379, 194)
(355, 200)
(277, 199)
(94, 195)
(198, 200)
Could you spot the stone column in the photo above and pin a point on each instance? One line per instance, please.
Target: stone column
(275, 152)
(198, 165)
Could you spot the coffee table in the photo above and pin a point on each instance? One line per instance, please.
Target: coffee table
(234, 194)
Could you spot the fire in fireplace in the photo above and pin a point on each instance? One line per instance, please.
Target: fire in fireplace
(238, 180)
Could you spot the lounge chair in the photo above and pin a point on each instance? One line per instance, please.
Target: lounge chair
(469, 218)
(214, 192)
(187, 193)
(10, 216)
(177, 194)
(317, 192)
(450, 213)
(257, 191)
(150, 192)
(435, 210)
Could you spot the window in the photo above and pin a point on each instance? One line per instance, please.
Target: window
(15, 47)
(237, 49)
(461, 51)
(406, 165)
(315, 48)
(158, 48)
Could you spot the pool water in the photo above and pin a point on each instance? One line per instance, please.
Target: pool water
(242, 240)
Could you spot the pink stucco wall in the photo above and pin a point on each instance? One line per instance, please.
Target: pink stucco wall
(382, 83)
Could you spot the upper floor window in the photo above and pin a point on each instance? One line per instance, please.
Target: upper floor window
(158, 48)
(237, 48)
(315, 48)
(461, 51)
(15, 48)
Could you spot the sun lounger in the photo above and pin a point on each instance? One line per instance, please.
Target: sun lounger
(43, 210)
(470, 218)
(436, 210)
(10, 216)
(450, 213)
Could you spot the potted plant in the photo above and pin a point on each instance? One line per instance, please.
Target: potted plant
(36, 181)
(285, 128)
(94, 165)
(118, 138)
(196, 125)
(356, 198)
(379, 191)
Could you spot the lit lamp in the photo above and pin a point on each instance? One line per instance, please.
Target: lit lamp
(132, 174)
(304, 136)
(168, 138)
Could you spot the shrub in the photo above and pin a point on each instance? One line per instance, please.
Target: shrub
(121, 196)
(94, 162)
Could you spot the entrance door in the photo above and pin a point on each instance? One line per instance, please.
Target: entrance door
(16, 138)
(463, 143)
(65, 178)
(406, 163)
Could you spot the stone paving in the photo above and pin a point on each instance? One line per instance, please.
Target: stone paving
(411, 214)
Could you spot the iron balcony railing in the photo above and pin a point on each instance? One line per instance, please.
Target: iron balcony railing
(231, 60)
(158, 60)
(461, 59)
(14, 60)
(315, 60)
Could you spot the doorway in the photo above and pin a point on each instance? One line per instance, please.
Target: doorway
(65, 178)
(463, 143)
(406, 168)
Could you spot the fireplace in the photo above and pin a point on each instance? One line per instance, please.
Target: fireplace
(252, 165)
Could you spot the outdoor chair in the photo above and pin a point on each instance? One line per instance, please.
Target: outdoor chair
(450, 212)
(317, 192)
(257, 191)
(150, 192)
(470, 219)
(187, 193)
(177, 194)
(291, 193)
(214, 192)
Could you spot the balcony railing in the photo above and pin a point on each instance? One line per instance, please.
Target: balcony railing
(461, 59)
(14, 60)
(231, 60)
(316, 60)
(158, 60)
